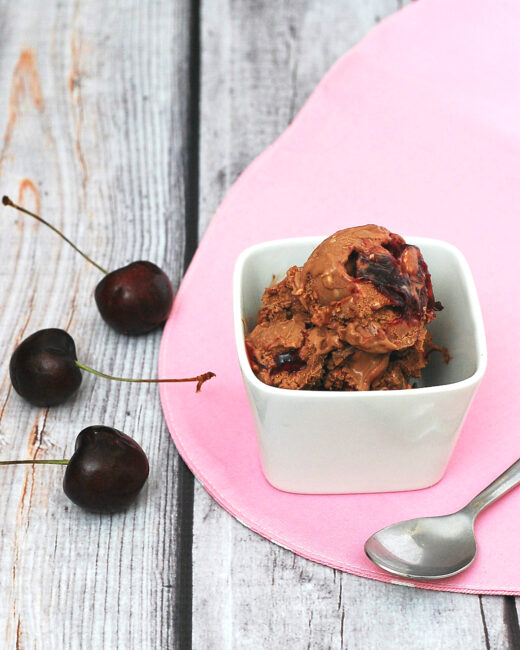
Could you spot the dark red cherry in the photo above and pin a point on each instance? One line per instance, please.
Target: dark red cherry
(107, 470)
(43, 368)
(135, 299)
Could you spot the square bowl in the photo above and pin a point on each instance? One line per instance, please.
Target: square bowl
(326, 442)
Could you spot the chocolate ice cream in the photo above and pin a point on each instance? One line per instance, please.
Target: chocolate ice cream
(353, 317)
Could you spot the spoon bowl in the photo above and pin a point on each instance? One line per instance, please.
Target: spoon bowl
(426, 548)
(431, 548)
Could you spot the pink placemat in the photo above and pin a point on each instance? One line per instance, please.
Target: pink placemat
(418, 129)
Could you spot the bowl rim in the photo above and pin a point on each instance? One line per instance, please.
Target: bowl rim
(250, 377)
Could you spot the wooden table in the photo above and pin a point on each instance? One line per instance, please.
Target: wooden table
(125, 124)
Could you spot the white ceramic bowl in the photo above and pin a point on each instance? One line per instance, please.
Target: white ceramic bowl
(321, 442)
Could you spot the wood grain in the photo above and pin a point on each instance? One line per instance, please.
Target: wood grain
(259, 63)
(93, 121)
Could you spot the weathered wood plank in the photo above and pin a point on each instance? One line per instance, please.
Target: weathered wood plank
(260, 61)
(93, 123)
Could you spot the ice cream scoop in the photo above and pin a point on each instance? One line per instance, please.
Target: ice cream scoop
(353, 317)
(350, 264)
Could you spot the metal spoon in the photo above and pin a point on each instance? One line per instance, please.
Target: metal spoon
(430, 548)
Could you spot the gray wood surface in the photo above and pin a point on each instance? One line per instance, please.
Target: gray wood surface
(93, 120)
(124, 123)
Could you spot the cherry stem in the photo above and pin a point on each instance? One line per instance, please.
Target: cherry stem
(32, 461)
(200, 379)
(7, 201)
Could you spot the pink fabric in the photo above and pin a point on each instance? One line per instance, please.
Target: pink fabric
(418, 129)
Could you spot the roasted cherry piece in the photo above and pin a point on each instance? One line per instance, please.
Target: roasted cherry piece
(45, 371)
(134, 299)
(107, 470)
(401, 274)
(43, 368)
(288, 362)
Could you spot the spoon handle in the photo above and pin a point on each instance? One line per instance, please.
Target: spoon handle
(505, 482)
